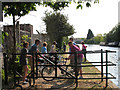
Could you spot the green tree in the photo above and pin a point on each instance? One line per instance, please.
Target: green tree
(57, 27)
(113, 35)
(90, 34)
(20, 9)
(99, 38)
(17, 9)
(59, 4)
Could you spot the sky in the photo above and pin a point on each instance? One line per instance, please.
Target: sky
(100, 18)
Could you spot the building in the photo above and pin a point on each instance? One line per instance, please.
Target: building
(21, 29)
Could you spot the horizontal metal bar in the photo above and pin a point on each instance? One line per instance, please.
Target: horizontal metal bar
(96, 51)
(101, 78)
(55, 77)
(91, 73)
(78, 65)
(85, 62)
(96, 62)
(74, 77)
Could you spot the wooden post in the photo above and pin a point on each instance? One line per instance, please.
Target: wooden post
(5, 68)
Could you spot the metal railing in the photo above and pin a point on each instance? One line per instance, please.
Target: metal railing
(56, 65)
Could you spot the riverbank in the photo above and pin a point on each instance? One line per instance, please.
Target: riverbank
(111, 44)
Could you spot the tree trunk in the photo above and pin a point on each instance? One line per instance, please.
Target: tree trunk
(14, 34)
(14, 48)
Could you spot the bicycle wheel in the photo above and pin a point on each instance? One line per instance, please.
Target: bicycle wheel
(48, 73)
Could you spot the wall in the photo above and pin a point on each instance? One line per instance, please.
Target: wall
(22, 29)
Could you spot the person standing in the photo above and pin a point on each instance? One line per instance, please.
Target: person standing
(74, 48)
(64, 47)
(71, 40)
(44, 48)
(84, 49)
(41, 61)
(23, 60)
(53, 47)
(34, 49)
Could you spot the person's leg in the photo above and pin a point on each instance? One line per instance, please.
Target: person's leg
(85, 55)
(80, 68)
(31, 63)
(25, 72)
(80, 72)
(72, 62)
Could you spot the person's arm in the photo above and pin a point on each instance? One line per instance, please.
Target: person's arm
(52, 48)
(84, 47)
(71, 56)
(38, 56)
(45, 50)
(38, 51)
(29, 56)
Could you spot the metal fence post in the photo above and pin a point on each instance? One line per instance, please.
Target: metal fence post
(33, 69)
(55, 65)
(106, 68)
(102, 65)
(76, 73)
(36, 64)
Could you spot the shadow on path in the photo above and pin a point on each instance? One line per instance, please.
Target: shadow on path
(67, 84)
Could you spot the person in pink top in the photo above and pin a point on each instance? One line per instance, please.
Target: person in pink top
(84, 49)
(74, 48)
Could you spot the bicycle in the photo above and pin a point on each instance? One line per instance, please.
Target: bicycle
(48, 72)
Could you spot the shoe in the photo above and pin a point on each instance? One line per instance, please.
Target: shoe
(25, 82)
(80, 77)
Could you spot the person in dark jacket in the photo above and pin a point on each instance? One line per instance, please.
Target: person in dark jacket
(23, 60)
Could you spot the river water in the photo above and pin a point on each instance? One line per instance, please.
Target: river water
(96, 57)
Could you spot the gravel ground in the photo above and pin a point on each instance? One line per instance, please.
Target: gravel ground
(69, 83)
